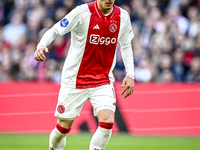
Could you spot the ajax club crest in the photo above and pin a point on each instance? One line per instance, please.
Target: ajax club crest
(61, 108)
(113, 27)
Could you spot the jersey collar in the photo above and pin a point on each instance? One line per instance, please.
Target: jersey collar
(101, 15)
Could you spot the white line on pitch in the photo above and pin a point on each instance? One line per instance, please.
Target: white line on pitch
(118, 92)
(164, 91)
(28, 95)
(87, 112)
(27, 113)
(35, 113)
(159, 110)
(165, 128)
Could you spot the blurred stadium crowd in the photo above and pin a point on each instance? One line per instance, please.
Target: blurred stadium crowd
(166, 45)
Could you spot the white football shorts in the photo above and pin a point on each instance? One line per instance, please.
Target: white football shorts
(71, 100)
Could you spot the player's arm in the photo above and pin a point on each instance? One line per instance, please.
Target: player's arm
(46, 39)
(67, 24)
(128, 81)
(127, 57)
(60, 28)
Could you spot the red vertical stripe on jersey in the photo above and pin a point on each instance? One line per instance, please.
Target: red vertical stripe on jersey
(100, 48)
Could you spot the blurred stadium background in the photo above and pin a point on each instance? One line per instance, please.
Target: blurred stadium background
(166, 48)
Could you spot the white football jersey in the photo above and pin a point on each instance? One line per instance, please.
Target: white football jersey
(94, 36)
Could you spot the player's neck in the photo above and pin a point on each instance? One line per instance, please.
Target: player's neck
(103, 10)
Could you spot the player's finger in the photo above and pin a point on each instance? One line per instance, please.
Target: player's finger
(124, 90)
(46, 50)
(127, 94)
(41, 54)
(35, 56)
(38, 57)
(129, 91)
(123, 83)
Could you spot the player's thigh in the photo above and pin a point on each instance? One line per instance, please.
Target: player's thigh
(103, 98)
(70, 102)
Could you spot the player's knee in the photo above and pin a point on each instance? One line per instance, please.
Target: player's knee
(64, 126)
(107, 119)
(65, 123)
(106, 116)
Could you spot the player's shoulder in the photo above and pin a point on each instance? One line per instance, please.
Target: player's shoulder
(124, 13)
(80, 9)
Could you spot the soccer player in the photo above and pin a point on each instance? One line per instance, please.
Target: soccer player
(95, 29)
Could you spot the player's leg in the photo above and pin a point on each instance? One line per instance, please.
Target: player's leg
(70, 103)
(103, 101)
(104, 131)
(57, 139)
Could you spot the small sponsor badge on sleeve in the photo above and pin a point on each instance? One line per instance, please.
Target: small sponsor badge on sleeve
(64, 22)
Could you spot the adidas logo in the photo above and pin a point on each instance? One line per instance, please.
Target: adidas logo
(96, 27)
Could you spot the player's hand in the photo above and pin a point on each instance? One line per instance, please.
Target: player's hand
(39, 54)
(128, 85)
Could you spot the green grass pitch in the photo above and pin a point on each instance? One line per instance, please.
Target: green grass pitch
(117, 142)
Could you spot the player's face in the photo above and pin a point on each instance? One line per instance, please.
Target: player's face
(105, 5)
